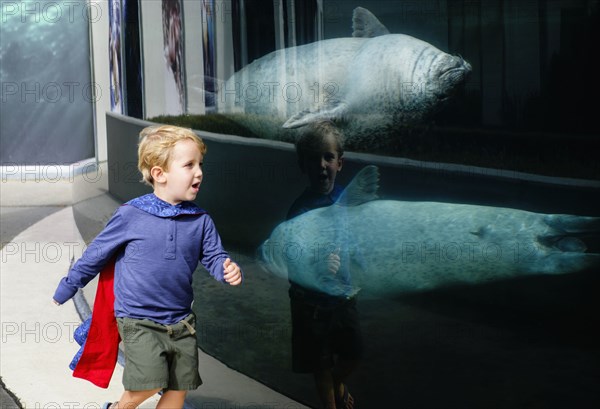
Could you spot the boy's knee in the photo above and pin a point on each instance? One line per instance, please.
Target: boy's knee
(132, 399)
(172, 399)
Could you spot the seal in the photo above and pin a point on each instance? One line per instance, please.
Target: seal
(369, 83)
(393, 247)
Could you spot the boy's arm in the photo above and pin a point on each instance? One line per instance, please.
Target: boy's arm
(94, 258)
(214, 257)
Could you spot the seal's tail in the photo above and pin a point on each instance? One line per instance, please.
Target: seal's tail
(573, 234)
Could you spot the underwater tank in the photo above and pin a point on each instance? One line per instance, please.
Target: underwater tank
(506, 342)
(504, 142)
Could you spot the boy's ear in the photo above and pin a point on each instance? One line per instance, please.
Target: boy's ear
(158, 175)
(340, 163)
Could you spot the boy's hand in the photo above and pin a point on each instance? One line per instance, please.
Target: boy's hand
(334, 262)
(231, 272)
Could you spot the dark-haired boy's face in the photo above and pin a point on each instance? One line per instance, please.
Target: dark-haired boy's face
(322, 166)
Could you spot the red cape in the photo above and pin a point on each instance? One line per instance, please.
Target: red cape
(99, 357)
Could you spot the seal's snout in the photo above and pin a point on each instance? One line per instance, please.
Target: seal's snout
(465, 66)
(261, 257)
(454, 73)
(460, 61)
(454, 70)
(259, 254)
(459, 67)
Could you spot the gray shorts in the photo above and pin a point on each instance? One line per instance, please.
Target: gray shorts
(159, 356)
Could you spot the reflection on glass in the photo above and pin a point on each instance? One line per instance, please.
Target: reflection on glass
(368, 84)
(396, 247)
(172, 26)
(326, 336)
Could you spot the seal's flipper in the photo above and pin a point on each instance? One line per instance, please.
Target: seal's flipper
(573, 224)
(366, 25)
(332, 112)
(362, 189)
(561, 263)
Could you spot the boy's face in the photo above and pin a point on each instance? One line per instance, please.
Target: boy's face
(322, 166)
(182, 180)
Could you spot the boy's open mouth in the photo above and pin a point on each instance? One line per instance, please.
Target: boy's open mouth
(196, 185)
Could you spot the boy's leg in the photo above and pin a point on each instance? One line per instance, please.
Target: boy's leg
(325, 388)
(341, 371)
(133, 399)
(171, 400)
(349, 344)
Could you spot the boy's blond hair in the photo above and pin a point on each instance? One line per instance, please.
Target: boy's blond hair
(156, 144)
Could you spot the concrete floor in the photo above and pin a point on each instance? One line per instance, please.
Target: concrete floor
(14, 220)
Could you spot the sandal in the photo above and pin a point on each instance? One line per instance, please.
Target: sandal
(346, 401)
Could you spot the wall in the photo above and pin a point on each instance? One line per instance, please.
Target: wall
(100, 73)
(250, 183)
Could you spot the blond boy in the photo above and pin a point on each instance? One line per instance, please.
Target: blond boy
(157, 241)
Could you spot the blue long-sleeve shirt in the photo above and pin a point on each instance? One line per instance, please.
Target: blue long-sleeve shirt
(156, 247)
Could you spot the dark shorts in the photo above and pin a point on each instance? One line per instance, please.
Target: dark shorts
(322, 335)
(159, 356)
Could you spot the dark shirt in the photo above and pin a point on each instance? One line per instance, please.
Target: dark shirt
(307, 201)
(310, 200)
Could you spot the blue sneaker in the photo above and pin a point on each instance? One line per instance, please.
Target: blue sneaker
(107, 405)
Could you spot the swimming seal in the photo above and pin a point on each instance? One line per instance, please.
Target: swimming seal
(392, 247)
(369, 84)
